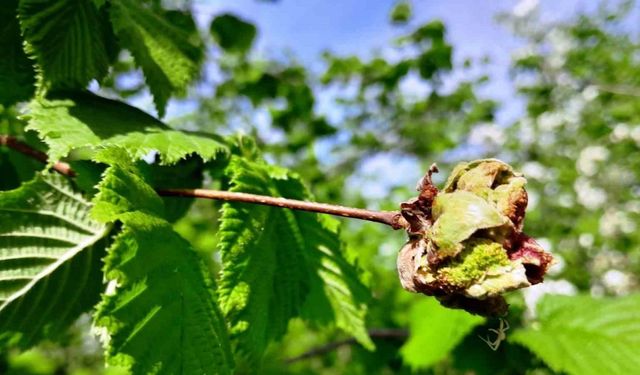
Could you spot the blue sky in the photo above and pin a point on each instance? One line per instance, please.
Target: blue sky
(308, 27)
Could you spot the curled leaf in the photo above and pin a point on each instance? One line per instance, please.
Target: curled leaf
(457, 216)
(466, 244)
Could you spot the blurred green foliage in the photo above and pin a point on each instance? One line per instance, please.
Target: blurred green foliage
(577, 142)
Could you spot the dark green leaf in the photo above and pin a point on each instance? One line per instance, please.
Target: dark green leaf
(232, 33)
(16, 70)
(169, 55)
(159, 309)
(68, 39)
(186, 174)
(50, 253)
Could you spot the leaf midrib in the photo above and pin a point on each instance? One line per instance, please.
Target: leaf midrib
(49, 269)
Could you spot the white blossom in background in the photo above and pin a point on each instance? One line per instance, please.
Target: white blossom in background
(619, 173)
(545, 243)
(533, 199)
(632, 206)
(526, 131)
(487, 134)
(588, 195)
(534, 170)
(533, 294)
(620, 132)
(617, 282)
(589, 159)
(561, 44)
(635, 134)
(524, 52)
(590, 93)
(615, 222)
(546, 139)
(566, 200)
(586, 240)
(607, 259)
(564, 81)
(573, 111)
(550, 121)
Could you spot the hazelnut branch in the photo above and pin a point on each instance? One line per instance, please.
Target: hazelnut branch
(381, 333)
(392, 218)
(12, 142)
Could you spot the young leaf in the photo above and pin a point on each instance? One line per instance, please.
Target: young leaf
(68, 39)
(50, 253)
(337, 295)
(83, 120)
(169, 56)
(583, 335)
(232, 33)
(160, 309)
(401, 12)
(435, 331)
(16, 71)
(278, 264)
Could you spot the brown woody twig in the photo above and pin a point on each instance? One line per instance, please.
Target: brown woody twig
(12, 142)
(382, 333)
(391, 218)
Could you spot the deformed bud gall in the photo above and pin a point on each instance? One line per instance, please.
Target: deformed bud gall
(466, 245)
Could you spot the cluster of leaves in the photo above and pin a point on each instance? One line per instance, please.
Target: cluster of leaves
(268, 282)
(156, 303)
(377, 117)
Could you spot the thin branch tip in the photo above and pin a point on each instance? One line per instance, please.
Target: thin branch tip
(391, 218)
(17, 145)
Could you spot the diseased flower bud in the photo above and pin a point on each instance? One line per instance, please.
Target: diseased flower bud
(466, 245)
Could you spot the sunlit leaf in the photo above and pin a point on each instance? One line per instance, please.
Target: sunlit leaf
(583, 335)
(401, 12)
(279, 264)
(159, 310)
(434, 332)
(169, 55)
(89, 122)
